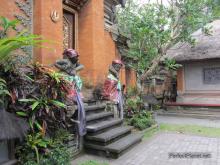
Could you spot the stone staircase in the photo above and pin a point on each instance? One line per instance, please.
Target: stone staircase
(198, 112)
(106, 135)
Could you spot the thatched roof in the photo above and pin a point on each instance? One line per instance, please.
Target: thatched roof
(207, 46)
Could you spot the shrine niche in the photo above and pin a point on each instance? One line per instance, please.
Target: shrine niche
(211, 75)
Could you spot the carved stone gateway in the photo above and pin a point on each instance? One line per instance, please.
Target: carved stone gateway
(211, 75)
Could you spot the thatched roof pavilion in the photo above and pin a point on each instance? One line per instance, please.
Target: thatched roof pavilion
(206, 47)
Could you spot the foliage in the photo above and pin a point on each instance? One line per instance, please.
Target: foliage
(142, 120)
(170, 64)
(6, 25)
(132, 91)
(154, 27)
(92, 162)
(216, 8)
(9, 44)
(3, 91)
(133, 102)
(133, 105)
(38, 95)
(51, 151)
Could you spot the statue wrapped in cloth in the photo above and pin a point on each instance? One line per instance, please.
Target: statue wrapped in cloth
(69, 66)
(112, 89)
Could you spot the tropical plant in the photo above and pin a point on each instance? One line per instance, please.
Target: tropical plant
(9, 44)
(142, 120)
(39, 95)
(155, 27)
(40, 150)
(133, 105)
(6, 25)
(170, 64)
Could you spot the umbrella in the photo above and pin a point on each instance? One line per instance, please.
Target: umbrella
(11, 127)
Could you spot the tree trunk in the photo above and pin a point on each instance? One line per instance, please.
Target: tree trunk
(152, 68)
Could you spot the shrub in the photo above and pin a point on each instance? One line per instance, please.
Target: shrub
(142, 120)
(39, 150)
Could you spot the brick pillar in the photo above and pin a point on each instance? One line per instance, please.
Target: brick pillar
(91, 41)
(45, 27)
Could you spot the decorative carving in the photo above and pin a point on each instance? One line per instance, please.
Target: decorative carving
(212, 75)
(76, 4)
(67, 33)
(26, 6)
(55, 17)
(26, 17)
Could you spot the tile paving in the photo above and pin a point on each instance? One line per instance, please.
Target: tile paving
(155, 151)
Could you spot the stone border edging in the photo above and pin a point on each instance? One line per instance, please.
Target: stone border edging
(149, 129)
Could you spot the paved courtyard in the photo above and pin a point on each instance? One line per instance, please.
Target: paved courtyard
(167, 149)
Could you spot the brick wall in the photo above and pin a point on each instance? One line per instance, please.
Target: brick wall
(45, 27)
(95, 45)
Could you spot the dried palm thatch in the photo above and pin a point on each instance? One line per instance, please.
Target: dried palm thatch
(206, 47)
(11, 127)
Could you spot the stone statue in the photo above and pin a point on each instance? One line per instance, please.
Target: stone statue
(69, 66)
(112, 89)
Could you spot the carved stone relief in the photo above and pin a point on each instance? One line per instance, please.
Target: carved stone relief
(67, 33)
(26, 20)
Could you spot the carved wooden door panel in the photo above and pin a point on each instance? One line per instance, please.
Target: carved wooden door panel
(68, 30)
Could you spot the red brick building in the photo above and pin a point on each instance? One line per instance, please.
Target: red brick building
(85, 25)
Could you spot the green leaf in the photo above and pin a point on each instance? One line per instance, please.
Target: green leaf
(29, 78)
(38, 125)
(26, 100)
(31, 123)
(42, 144)
(33, 106)
(58, 103)
(23, 114)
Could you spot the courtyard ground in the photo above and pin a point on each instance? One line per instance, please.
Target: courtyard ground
(168, 144)
(158, 149)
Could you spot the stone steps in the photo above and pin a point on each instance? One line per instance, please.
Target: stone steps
(106, 135)
(110, 135)
(116, 148)
(189, 114)
(103, 125)
(95, 107)
(203, 112)
(191, 110)
(96, 116)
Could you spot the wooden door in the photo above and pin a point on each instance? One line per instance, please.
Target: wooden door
(69, 27)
